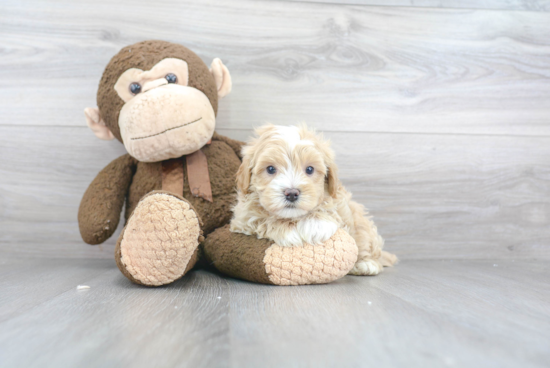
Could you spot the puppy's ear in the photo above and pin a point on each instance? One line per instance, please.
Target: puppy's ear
(332, 181)
(243, 175)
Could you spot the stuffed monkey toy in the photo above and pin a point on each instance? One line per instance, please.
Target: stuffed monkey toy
(177, 180)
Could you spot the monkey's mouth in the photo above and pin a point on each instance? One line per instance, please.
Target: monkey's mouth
(167, 130)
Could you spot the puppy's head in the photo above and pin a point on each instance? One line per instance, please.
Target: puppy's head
(291, 169)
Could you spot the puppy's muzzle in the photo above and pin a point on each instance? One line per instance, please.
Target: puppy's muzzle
(292, 194)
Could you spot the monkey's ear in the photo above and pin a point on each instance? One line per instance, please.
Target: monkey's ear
(97, 125)
(221, 76)
(243, 176)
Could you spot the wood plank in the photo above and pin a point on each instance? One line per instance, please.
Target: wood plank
(25, 283)
(417, 314)
(344, 68)
(366, 321)
(529, 5)
(480, 286)
(433, 196)
(116, 323)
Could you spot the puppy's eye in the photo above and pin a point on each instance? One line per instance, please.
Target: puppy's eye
(309, 170)
(135, 88)
(171, 78)
(271, 170)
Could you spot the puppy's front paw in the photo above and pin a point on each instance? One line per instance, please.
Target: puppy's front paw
(367, 267)
(316, 232)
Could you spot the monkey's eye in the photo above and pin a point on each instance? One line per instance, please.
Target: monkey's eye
(309, 170)
(135, 88)
(271, 170)
(171, 78)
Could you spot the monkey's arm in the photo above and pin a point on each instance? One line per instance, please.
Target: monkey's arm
(234, 144)
(100, 208)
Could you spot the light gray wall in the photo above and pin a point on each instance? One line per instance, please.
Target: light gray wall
(440, 117)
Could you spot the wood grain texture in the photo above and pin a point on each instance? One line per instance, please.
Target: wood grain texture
(344, 68)
(439, 117)
(116, 322)
(530, 5)
(418, 314)
(26, 283)
(433, 196)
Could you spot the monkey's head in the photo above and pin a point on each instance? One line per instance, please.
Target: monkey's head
(159, 99)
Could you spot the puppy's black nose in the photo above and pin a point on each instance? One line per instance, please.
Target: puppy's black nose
(292, 195)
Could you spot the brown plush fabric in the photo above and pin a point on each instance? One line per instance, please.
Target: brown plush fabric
(100, 208)
(148, 177)
(194, 259)
(124, 177)
(237, 255)
(144, 55)
(236, 146)
(119, 264)
(223, 164)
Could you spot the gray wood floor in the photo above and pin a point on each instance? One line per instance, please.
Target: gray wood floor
(418, 314)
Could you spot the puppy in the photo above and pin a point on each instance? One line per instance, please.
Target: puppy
(288, 191)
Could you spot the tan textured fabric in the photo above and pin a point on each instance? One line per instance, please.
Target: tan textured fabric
(160, 238)
(221, 76)
(158, 71)
(97, 125)
(166, 122)
(310, 264)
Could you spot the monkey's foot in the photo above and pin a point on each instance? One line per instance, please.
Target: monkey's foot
(160, 241)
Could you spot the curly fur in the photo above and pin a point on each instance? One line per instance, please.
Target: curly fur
(324, 205)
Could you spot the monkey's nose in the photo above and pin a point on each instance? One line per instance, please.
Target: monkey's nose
(292, 194)
(153, 84)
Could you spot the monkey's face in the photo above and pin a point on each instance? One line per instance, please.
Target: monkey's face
(159, 99)
(162, 116)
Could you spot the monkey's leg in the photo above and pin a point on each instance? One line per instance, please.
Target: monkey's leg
(260, 260)
(160, 242)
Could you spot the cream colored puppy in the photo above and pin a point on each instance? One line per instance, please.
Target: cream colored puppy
(289, 192)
